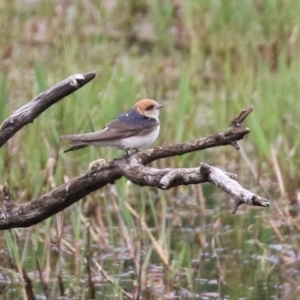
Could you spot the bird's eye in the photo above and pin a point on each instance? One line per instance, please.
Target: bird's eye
(149, 107)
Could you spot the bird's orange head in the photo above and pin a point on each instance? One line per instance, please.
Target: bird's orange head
(148, 107)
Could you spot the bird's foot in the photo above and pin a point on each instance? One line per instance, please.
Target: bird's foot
(131, 151)
(96, 166)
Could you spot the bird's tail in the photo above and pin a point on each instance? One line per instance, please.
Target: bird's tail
(75, 145)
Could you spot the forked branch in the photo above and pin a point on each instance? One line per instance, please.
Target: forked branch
(133, 167)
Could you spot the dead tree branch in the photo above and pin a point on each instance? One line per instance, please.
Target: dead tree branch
(133, 167)
(225, 182)
(30, 111)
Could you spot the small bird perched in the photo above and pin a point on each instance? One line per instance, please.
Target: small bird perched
(132, 130)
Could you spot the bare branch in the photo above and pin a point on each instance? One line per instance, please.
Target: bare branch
(231, 135)
(163, 178)
(239, 119)
(239, 194)
(133, 167)
(27, 214)
(30, 111)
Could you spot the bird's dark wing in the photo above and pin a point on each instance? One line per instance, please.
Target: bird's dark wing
(126, 125)
(129, 125)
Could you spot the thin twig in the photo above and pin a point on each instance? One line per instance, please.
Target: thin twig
(92, 292)
(43, 283)
(28, 285)
(112, 282)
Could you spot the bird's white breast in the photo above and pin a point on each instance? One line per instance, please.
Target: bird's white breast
(138, 142)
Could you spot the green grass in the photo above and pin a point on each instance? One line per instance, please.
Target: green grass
(205, 61)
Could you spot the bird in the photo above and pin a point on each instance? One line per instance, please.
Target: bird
(134, 129)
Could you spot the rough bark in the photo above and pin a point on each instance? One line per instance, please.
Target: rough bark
(133, 167)
(30, 111)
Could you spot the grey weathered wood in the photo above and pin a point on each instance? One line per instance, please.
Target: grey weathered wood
(239, 194)
(133, 167)
(31, 110)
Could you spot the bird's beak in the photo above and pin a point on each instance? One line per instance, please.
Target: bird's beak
(159, 106)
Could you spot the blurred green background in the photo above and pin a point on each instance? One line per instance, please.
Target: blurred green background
(205, 60)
